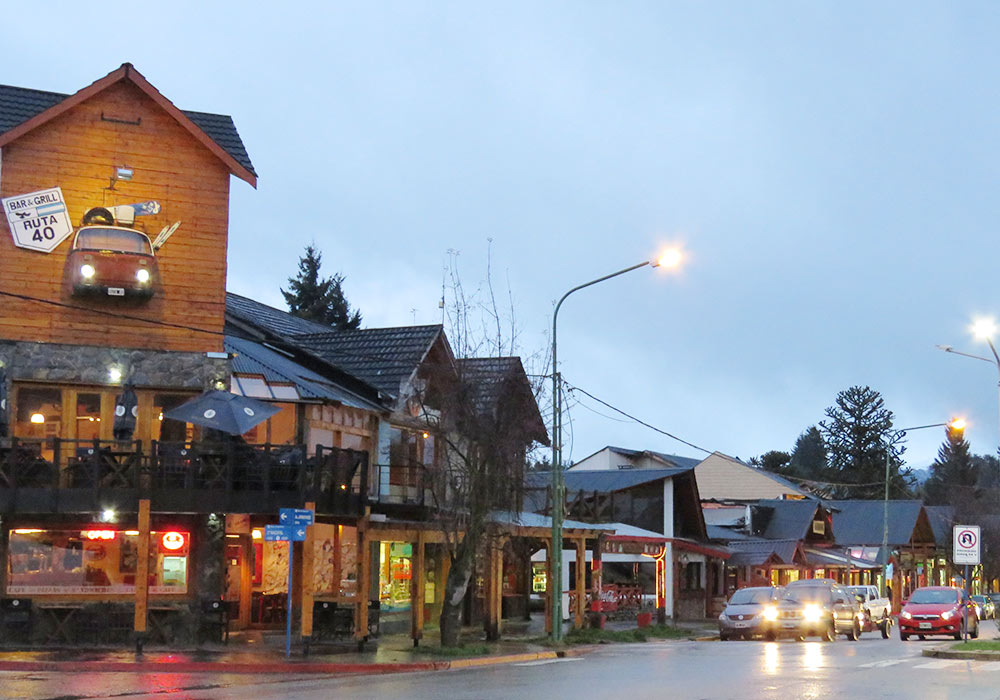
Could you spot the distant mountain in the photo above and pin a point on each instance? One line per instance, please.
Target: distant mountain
(921, 475)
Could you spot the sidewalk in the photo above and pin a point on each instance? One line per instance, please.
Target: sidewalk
(264, 652)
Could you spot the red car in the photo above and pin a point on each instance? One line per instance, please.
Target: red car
(938, 610)
(112, 261)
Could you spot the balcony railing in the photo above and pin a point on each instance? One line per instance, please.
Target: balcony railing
(402, 484)
(69, 475)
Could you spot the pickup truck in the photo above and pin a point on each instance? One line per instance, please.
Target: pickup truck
(877, 608)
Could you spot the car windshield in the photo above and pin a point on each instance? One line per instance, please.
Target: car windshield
(801, 594)
(858, 590)
(116, 239)
(750, 596)
(930, 596)
(979, 598)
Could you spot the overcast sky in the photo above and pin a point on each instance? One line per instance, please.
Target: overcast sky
(831, 170)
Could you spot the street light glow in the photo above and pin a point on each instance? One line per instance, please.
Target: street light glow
(984, 328)
(670, 258)
(957, 424)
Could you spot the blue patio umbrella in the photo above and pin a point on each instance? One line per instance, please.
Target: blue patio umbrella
(223, 411)
(126, 412)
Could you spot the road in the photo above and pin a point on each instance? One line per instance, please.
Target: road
(870, 668)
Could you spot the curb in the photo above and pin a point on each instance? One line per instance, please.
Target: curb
(949, 653)
(276, 666)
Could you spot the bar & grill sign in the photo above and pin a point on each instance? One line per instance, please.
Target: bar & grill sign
(38, 220)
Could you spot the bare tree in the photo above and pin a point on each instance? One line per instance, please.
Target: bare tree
(487, 415)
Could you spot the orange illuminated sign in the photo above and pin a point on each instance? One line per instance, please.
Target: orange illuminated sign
(173, 541)
(99, 534)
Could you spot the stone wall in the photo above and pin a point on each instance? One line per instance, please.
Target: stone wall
(86, 364)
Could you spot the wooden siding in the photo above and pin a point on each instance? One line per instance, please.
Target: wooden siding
(78, 152)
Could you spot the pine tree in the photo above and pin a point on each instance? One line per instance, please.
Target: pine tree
(860, 439)
(953, 475)
(319, 300)
(809, 458)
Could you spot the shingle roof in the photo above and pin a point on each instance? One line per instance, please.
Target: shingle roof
(382, 357)
(756, 552)
(942, 518)
(18, 105)
(860, 522)
(274, 321)
(497, 378)
(256, 359)
(789, 519)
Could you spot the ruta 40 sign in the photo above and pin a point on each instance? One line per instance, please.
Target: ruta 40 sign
(38, 220)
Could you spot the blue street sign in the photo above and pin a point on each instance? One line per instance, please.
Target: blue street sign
(298, 533)
(277, 533)
(296, 516)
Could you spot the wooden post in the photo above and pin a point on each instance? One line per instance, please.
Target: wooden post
(418, 579)
(338, 559)
(142, 575)
(596, 571)
(364, 580)
(549, 582)
(581, 583)
(246, 581)
(494, 589)
(306, 579)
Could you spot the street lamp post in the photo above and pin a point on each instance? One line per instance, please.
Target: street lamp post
(669, 259)
(954, 423)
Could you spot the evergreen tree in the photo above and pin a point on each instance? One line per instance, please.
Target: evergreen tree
(809, 459)
(774, 461)
(860, 439)
(953, 475)
(319, 300)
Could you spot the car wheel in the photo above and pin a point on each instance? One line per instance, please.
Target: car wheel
(855, 632)
(904, 637)
(723, 637)
(770, 636)
(884, 627)
(921, 637)
(830, 633)
(974, 634)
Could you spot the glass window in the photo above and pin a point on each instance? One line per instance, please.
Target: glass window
(75, 562)
(165, 429)
(114, 239)
(88, 416)
(39, 412)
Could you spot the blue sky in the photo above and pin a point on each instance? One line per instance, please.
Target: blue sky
(830, 169)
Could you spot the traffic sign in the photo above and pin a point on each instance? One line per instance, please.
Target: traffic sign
(297, 533)
(965, 545)
(277, 533)
(296, 516)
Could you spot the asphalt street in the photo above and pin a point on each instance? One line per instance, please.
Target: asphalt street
(870, 668)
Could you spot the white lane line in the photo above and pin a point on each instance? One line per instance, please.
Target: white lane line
(883, 664)
(550, 661)
(942, 663)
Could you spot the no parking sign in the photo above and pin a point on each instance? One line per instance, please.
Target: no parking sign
(965, 545)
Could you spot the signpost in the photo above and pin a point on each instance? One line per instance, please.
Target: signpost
(294, 522)
(38, 220)
(965, 550)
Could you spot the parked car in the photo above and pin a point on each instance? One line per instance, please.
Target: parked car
(751, 612)
(995, 599)
(938, 610)
(878, 609)
(819, 607)
(109, 260)
(984, 607)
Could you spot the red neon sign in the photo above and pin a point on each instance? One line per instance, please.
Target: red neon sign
(172, 541)
(99, 534)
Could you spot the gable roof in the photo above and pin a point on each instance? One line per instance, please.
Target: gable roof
(604, 480)
(788, 519)
(860, 522)
(724, 478)
(252, 358)
(942, 519)
(386, 358)
(495, 378)
(23, 109)
(758, 552)
(666, 460)
(269, 319)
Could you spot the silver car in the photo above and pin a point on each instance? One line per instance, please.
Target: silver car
(751, 612)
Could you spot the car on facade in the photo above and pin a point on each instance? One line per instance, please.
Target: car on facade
(938, 610)
(819, 607)
(111, 261)
(751, 612)
(985, 608)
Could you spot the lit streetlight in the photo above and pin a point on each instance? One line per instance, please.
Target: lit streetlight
(956, 424)
(669, 259)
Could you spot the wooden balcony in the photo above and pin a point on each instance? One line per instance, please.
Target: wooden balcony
(78, 476)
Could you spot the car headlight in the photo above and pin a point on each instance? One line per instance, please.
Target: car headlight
(87, 271)
(142, 275)
(722, 616)
(861, 615)
(948, 614)
(770, 613)
(905, 615)
(812, 613)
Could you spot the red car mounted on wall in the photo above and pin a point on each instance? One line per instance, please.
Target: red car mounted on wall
(111, 261)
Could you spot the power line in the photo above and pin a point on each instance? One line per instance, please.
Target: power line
(637, 420)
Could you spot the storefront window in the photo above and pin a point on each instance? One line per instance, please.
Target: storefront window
(395, 573)
(80, 562)
(39, 412)
(88, 416)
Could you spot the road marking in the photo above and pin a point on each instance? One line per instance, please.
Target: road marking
(884, 663)
(550, 661)
(942, 663)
